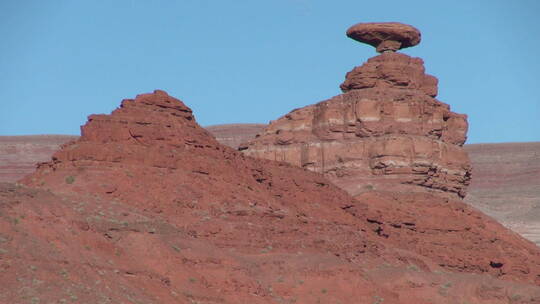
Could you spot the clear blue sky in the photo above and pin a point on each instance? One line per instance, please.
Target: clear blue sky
(252, 61)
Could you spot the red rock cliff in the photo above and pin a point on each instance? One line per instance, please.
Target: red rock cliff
(147, 200)
(386, 132)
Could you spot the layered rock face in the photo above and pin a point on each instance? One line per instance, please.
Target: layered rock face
(147, 207)
(386, 132)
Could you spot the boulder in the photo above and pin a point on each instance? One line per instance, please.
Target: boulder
(385, 36)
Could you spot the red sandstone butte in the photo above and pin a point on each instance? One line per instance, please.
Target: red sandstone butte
(504, 184)
(387, 131)
(146, 206)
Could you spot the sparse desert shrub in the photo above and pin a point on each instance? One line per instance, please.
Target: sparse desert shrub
(70, 179)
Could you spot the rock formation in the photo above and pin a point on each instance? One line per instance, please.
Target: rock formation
(147, 207)
(509, 170)
(385, 36)
(386, 131)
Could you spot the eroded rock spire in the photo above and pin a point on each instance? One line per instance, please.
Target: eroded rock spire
(385, 132)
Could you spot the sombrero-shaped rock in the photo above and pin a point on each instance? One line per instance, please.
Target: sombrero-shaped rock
(385, 36)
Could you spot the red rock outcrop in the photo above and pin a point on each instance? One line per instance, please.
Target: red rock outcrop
(149, 207)
(385, 36)
(92, 250)
(386, 131)
(504, 186)
(20, 154)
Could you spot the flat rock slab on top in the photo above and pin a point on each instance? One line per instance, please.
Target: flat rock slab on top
(385, 36)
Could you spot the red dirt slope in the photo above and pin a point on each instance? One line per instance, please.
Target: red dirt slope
(149, 208)
(59, 250)
(504, 185)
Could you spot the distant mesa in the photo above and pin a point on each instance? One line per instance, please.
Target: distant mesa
(385, 36)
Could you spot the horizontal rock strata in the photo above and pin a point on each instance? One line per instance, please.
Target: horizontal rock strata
(149, 157)
(386, 132)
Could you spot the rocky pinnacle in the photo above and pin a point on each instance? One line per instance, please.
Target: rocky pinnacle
(387, 131)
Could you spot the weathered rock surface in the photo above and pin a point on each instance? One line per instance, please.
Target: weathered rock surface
(392, 71)
(505, 186)
(55, 249)
(386, 132)
(385, 36)
(20, 154)
(149, 207)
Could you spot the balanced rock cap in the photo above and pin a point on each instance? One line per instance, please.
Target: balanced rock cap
(385, 36)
